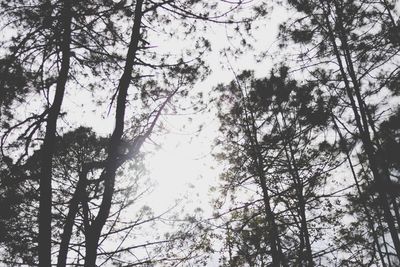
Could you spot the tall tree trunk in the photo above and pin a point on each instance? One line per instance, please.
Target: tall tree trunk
(273, 234)
(95, 229)
(383, 164)
(73, 208)
(294, 172)
(69, 223)
(302, 207)
(367, 213)
(363, 127)
(278, 258)
(45, 187)
(361, 123)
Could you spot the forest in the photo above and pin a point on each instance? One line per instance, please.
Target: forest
(295, 105)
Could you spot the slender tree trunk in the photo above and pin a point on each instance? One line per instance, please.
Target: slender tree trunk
(68, 225)
(95, 229)
(272, 235)
(362, 124)
(302, 242)
(45, 187)
(383, 165)
(367, 213)
(294, 172)
(278, 258)
(303, 217)
(78, 197)
(385, 243)
(386, 6)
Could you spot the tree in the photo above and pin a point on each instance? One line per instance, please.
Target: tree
(46, 38)
(256, 168)
(72, 150)
(19, 198)
(287, 119)
(57, 46)
(356, 60)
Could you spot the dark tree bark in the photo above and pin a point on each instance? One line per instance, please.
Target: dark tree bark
(298, 183)
(94, 231)
(305, 236)
(359, 191)
(78, 197)
(45, 201)
(278, 258)
(354, 95)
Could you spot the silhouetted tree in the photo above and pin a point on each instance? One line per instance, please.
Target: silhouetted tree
(54, 48)
(349, 48)
(281, 121)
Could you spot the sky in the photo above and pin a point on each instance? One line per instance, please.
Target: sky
(179, 161)
(184, 164)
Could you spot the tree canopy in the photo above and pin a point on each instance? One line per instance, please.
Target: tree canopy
(307, 145)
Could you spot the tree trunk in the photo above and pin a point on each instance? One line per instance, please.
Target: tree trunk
(367, 213)
(379, 177)
(69, 224)
(45, 187)
(294, 172)
(95, 229)
(78, 197)
(272, 236)
(302, 209)
(361, 120)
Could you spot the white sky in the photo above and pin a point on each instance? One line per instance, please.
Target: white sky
(184, 165)
(182, 168)
(180, 162)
